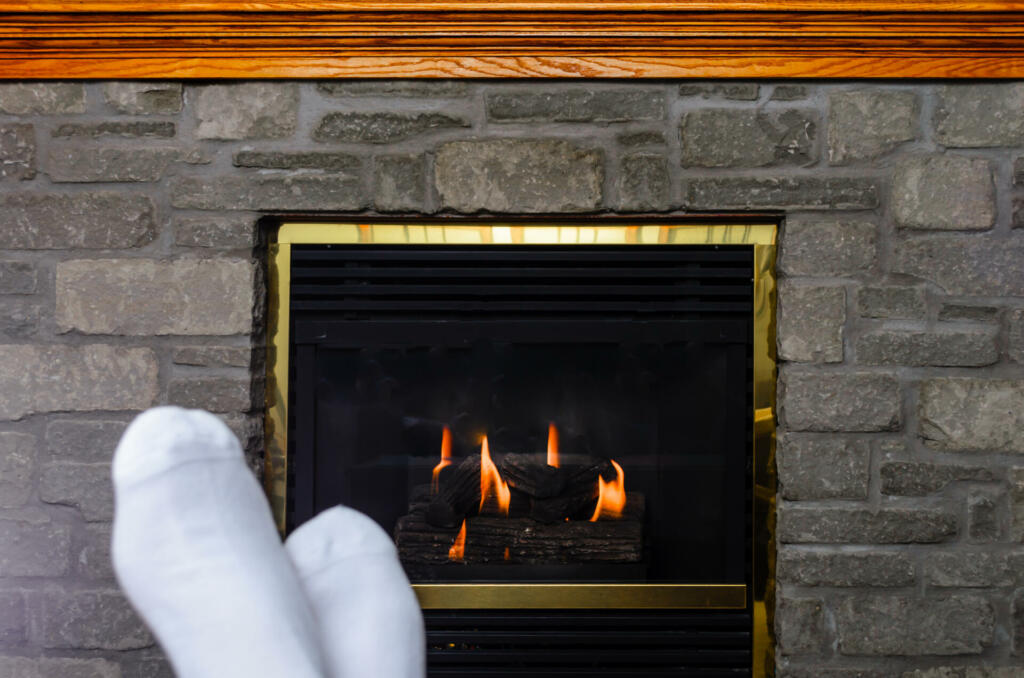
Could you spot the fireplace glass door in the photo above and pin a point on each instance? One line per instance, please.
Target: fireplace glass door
(530, 412)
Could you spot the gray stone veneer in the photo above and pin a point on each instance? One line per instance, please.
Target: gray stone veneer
(130, 275)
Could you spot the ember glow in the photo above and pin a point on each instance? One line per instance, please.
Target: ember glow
(446, 459)
(458, 549)
(611, 498)
(495, 496)
(552, 445)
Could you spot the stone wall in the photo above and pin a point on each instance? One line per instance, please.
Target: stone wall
(130, 275)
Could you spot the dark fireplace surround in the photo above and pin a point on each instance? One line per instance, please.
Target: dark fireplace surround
(635, 352)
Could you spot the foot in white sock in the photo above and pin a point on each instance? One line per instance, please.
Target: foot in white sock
(370, 622)
(196, 552)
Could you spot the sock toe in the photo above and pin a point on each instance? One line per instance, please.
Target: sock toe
(164, 437)
(334, 535)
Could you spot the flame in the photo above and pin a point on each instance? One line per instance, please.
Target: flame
(611, 498)
(446, 459)
(508, 554)
(491, 484)
(552, 445)
(458, 549)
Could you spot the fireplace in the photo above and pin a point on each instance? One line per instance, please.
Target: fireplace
(567, 427)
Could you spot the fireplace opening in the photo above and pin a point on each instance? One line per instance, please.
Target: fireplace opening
(558, 417)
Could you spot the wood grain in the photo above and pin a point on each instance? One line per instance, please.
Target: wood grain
(537, 39)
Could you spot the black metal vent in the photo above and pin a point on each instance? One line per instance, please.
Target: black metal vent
(634, 644)
(518, 280)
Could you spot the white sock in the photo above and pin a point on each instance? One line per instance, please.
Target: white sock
(196, 552)
(370, 622)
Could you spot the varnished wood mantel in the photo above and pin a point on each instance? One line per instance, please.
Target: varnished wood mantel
(512, 39)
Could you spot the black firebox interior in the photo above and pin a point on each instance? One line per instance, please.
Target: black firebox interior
(641, 354)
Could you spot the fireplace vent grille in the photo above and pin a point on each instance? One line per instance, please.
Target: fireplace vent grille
(635, 644)
(631, 280)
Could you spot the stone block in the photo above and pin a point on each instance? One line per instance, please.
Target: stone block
(86, 487)
(789, 93)
(731, 137)
(382, 128)
(390, 89)
(643, 183)
(93, 559)
(977, 569)
(17, 152)
(85, 164)
(17, 277)
(47, 221)
(736, 91)
(143, 98)
(83, 439)
(919, 479)
(87, 620)
(13, 621)
(868, 123)
(576, 105)
(1015, 335)
(399, 183)
(34, 547)
(800, 626)
(336, 191)
(943, 193)
(1015, 476)
(17, 464)
(323, 160)
(42, 98)
(826, 246)
(811, 467)
(519, 175)
(57, 667)
(57, 378)
(114, 128)
(965, 672)
(973, 415)
(829, 525)
(811, 320)
(213, 356)
(216, 394)
(248, 110)
(968, 313)
(939, 347)
(634, 139)
(146, 667)
(226, 233)
(21, 318)
(909, 626)
(980, 115)
(885, 301)
(145, 297)
(965, 266)
(984, 515)
(854, 401)
(876, 569)
(792, 193)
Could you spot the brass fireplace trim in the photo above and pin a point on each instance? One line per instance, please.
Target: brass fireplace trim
(579, 596)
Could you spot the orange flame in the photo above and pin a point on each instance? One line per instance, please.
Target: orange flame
(446, 459)
(611, 498)
(491, 484)
(508, 555)
(458, 549)
(552, 445)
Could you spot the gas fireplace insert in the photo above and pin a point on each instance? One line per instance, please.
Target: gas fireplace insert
(559, 416)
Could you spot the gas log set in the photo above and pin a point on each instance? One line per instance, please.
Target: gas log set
(521, 508)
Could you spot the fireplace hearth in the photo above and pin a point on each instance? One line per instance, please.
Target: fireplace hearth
(550, 417)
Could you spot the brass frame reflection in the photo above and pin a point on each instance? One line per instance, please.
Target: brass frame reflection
(563, 596)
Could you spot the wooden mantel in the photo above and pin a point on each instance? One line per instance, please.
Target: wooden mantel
(512, 39)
